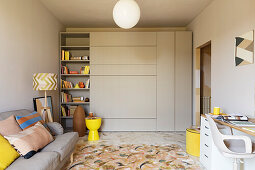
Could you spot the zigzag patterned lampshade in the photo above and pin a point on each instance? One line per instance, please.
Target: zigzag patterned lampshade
(45, 81)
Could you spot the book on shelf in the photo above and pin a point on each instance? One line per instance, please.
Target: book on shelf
(87, 84)
(65, 98)
(64, 70)
(66, 84)
(72, 110)
(63, 55)
(63, 111)
(67, 55)
(85, 69)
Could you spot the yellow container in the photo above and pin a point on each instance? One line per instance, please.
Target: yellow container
(193, 142)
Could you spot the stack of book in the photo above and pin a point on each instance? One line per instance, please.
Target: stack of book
(66, 84)
(64, 70)
(65, 55)
(68, 111)
(78, 99)
(65, 98)
(85, 70)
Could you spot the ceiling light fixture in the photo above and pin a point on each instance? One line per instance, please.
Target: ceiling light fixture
(126, 13)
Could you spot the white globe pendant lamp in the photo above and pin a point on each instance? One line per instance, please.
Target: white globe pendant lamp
(126, 13)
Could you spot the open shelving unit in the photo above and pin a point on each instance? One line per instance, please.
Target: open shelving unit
(78, 44)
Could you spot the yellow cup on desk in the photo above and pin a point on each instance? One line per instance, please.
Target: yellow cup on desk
(216, 110)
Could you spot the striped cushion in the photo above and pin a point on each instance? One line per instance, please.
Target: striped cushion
(29, 141)
(30, 120)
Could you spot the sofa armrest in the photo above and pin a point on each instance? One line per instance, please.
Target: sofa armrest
(56, 128)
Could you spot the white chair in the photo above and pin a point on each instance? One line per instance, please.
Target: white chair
(219, 138)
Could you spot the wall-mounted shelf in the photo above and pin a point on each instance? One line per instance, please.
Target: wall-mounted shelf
(75, 103)
(75, 89)
(67, 117)
(75, 61)
(75, 47)
(75, 75)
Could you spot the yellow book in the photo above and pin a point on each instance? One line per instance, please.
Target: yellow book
(67, 55)
(63, 55)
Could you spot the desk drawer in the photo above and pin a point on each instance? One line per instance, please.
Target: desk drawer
(205, 160)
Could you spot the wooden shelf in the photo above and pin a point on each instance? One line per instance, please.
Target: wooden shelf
(75, 89)
(75, 61)
(75, 47)
(66, 117)
(75, 103)
(76, 75)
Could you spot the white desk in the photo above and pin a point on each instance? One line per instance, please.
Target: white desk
(210, 157)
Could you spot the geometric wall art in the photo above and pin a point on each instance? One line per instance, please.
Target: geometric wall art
(244, 52)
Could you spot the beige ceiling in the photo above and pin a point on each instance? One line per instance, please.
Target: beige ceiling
(98, 13)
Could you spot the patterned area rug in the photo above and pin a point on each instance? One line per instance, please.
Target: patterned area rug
(130, 157)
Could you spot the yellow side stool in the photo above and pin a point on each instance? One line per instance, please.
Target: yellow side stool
(193, 142)
(93, 124)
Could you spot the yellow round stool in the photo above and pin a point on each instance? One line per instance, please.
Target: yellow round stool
(193, 142)
(93, 124)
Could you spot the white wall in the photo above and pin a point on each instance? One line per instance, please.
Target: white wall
(29, 43)
(232, 87)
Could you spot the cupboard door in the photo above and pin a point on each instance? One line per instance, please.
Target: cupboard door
(118, 39)
(165, 81)
(183, 80)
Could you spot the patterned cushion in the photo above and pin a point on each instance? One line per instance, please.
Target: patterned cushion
(29, 141)
(7, 153)
(30, 120)
(9, 126)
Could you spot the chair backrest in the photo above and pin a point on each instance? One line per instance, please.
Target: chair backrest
(216, 135)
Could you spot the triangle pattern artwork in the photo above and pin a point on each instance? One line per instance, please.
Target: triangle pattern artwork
(244, 50)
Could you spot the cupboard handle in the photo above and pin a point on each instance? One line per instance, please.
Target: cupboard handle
(206, 127)
(206, 134)
(206, 155)
(206, 145)
(206, 120)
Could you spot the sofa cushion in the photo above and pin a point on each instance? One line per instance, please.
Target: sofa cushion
(30, 120)
(9, 126)
(29, 141)
(63, 144)
(40, 161)
(7, 153)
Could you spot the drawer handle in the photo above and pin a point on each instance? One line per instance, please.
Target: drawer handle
(206, 155)
(206, 134)
(206, 127)
(206, 120)
(206, 145)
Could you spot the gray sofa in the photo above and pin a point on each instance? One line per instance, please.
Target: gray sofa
(53, 156)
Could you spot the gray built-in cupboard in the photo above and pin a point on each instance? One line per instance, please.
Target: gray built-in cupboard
(140, 81)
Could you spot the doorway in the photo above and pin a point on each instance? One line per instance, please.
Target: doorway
(205, 79)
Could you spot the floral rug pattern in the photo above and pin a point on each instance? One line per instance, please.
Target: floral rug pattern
(130, 157)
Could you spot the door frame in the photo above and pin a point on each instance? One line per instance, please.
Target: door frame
(197, 82)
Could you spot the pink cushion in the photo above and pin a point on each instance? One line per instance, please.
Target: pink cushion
(9, 126)
(30, 140)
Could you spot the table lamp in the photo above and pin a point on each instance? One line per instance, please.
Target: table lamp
(45, 81)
